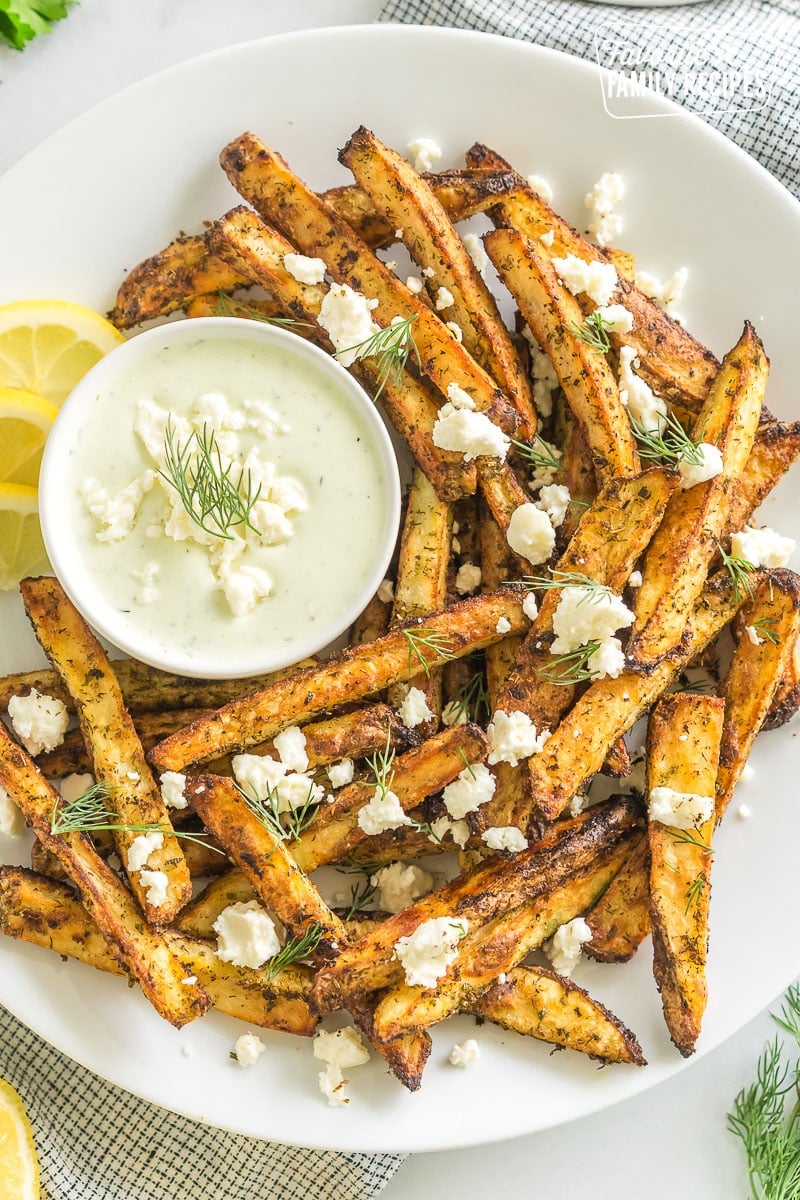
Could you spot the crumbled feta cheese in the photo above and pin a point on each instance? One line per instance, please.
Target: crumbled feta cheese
(456, 330)
(548, 238)
(426, 953)
(455, 545)
(341, 773)
(616, 318)
(187, 1051)
(554, 499)
(39, 721)
(606, 193)
(12, 822)
(157, 885)
(747, 773)
(116, 514)
(74, 786)
(635, 580)
(414, 284)
(398, 233)
(587, 614)
(331, 1084)
(148, 593)
(754, 635)
(341, 1048)
(608, 660)
(399, 885)
(468, 579)
(530, 607)
(545, 380)
(423, 152)
(415, 709)
(249, 1047)
(345, 316)
(512, 737)
(427, 272)
(505, 837)
(173, 784)
(708, 468)
(541, 187)
(564, 948)
(530, 533)
(386, 591)
(444, 299)
(761, 547)
(681, 810)
(474, 248)
(597, 280)
(473, 787)
(383, 811)
(263, 419)
(246, 935)
(503, 625)
(744, 812)
(454, 714)
(304, 269)
(291, 747)
(464, 1054)
(265, 777)
(141, 848)
(644, 406)
(458, 397)
(666, 294)
(469, 433)
(245, 588)
(577, 804)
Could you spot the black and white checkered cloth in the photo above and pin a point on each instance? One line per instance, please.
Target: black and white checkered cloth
(757, 37)
(97, 1142)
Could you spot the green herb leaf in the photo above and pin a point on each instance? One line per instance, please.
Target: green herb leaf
(361, 895)
(88, 813)
(470, 700)
(670, 445)
(284, 827)
(23, 20)
(765, 628)
(420, 639)
(594, 331)
(740, 571)
(228, 306)
(296, 949)
(391, 347)
(570, 668)
(208, 491)
(539, 454)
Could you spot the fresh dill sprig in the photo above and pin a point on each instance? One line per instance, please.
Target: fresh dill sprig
(694, 892)
(572, 667)
(213, 498)
(470, 700)
(740, 570)
(594, 331)
(361, 895)
(381, 764)
(565, 579)
(391, 348)
(429, 639)
(296, 949)
(671, 445)
(539, 454)
(284, 826)
(88, 813)
(765, 628)
(227, 306)
(769, 1133)
(687, 837)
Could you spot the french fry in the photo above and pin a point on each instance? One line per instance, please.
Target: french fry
(197, 919)
(494, 887)
(620, 920)
(541, 1004)
(141, 950)
(552, 313)
(683, 741)
(776, 447)
(609, 707)
(118, 760)
(757, 667)
(347, 676)
(44, 913)
(578, 475)
(677, 560)
(786, 700)
(407, 201)
(72, 757)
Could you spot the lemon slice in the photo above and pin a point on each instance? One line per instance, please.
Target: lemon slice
(19, 1168)
(25, 421)
(46, 346)
(22, 550)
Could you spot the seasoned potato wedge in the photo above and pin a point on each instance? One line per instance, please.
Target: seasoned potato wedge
(620, 921)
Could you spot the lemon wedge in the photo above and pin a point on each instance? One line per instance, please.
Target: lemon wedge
(46, 346)
(25, 421)
(19, 1168)
(22, 550)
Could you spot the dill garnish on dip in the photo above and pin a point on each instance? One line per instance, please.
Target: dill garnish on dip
(222, 497)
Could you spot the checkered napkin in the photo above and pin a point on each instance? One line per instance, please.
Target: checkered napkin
(758, 38)
(97, 1142)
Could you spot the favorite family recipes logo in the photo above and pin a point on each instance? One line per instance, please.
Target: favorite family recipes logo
(711, 73)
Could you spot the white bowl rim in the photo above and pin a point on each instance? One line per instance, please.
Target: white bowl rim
(52, 512)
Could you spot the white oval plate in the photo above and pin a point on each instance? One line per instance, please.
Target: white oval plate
(116, 185)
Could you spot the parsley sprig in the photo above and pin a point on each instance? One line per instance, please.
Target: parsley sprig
(23, 20)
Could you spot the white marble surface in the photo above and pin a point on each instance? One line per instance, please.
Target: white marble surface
(665, 1143)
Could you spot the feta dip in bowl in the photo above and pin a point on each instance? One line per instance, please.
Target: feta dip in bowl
(219, 498)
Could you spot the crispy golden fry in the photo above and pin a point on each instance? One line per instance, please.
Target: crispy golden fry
(776, 446)
(346, 677)
(410, 403)
(419, 773)
(543, 1005)
(620, 921)
(623, 261)
(683, 741)
(141, 950)
(49, 914)
(495, 949)
(421, 586)
(677, 560)
(617, 762)
(610, 707)
(197, 919)
(264, 861)
(372, 623)
(758, 665)
(406, 1056)
(72, 757)
(395, 844)
(552, 313)
(786, 700)
(118, 760)
(493, 888)
(674, 363)
(578, 474)
(408, 202)
(498, 566)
